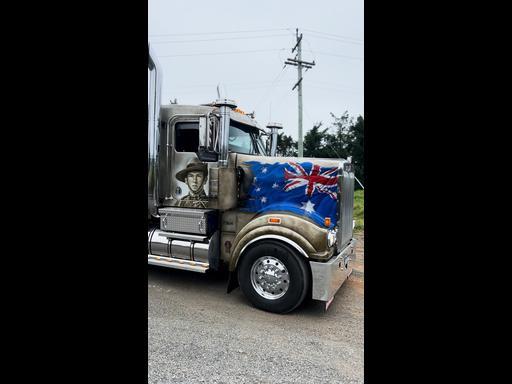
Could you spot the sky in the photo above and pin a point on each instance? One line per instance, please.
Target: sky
(241, 46)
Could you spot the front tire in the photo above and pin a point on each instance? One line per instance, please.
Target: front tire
(273, 276)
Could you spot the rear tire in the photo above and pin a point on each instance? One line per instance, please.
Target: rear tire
(273, 276)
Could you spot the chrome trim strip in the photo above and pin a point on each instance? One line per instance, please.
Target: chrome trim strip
(277, 237)
(183, 236)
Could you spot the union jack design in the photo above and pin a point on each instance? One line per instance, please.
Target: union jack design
(314, 181)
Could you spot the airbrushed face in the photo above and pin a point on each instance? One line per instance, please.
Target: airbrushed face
(195, 181)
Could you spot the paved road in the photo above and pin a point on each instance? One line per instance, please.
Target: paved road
(198, 333)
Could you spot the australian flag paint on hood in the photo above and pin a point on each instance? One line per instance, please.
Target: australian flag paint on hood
(302, 188)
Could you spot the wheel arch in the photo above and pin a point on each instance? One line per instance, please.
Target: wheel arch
(284, 235)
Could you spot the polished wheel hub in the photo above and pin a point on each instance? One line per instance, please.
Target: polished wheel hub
(270, 278)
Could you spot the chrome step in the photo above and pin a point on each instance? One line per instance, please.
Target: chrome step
(171, 262)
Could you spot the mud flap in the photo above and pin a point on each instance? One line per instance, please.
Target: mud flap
(232, 281)
(214, 253)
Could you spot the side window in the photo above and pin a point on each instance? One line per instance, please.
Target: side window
(187, 136)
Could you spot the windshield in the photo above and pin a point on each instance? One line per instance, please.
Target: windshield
(245, 139)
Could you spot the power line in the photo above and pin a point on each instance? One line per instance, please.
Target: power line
(219, 33)
(282, 97)
(338, 40)
(343, 56)
(260, 87)
(235, 87)
(229, 84)
(310, 49)
(270, 88)
(332, 84)
(217, 39)
(225, 53)
(331, 34)
(252, 31)
(334, 89)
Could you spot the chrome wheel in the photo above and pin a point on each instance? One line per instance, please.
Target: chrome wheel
(270, 278)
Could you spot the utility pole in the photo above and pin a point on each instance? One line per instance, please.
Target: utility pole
(297, 61)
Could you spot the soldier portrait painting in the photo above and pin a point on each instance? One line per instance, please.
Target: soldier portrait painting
(195, 176)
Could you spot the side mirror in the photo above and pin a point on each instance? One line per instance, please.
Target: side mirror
(208, 132)
(207, 156)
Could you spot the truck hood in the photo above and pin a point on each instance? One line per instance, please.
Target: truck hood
(304, 186)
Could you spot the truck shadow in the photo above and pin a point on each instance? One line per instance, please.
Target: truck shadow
(214, 284)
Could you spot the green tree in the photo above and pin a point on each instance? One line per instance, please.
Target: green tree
(348, 140)
(286, 146)
(337, 141)
(345, 139)
(315, 142)
(356, 147)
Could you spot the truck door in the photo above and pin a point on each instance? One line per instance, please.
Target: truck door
(189, 176)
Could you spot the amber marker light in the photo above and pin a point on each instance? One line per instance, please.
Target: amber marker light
(274, 220)
(327, 221)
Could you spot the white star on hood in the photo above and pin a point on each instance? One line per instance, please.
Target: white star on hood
(308, 207)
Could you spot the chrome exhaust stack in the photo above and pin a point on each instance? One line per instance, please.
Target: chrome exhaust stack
(225, 106)
(274, 127)
(155, 91)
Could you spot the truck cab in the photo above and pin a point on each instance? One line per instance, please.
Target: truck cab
(218, 197)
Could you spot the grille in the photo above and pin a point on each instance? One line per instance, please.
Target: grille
(346, 206)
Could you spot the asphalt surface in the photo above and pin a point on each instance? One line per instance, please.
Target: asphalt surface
(199, 334)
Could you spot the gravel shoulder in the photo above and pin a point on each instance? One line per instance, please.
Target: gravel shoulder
(198, 333)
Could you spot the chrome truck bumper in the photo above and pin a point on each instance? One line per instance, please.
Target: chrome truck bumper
(329, 276)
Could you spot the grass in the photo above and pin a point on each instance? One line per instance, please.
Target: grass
(359, 210)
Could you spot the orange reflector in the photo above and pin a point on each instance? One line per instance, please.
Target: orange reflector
(327, 221)
(274, 220)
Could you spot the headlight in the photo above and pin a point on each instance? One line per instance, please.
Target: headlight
(331, 238)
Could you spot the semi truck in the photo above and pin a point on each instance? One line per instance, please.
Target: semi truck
(220, 199)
